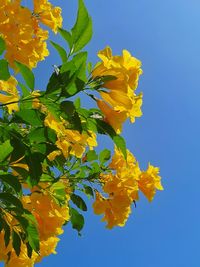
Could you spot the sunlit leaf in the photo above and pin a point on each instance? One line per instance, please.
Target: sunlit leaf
(2, 45)
(5, 150)
(82, 30)
(60, 50)
(4, 70)
(27, 74)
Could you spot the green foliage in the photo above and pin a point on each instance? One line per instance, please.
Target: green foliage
(2, 45)
(82, 30)
(12, 181)
(16, 242)
(5, 150)
(79, 202)
(77, 220)
(27, 140)
(4, 70)
(66, 36)
(104, 156)
(27, 74)
(29, 116)
(11, 201)
(61, 51)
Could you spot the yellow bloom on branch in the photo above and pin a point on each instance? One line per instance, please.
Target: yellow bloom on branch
(10, 95)
(122, 102)
(125, 68)
(70, 142)
(121, 95)
(116, 210)
(112, 117)
(48, 14)
(122, 186)
(49, 215)
(149, 181)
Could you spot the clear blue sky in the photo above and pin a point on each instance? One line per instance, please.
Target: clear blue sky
(165, 36)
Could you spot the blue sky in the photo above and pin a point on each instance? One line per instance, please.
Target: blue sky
(165, 36)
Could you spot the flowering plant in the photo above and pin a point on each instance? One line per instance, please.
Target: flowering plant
(48, 159)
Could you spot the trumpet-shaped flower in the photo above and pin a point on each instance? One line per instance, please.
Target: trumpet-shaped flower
(70, 142)
(10, 94)
(149, 181)
(112, 117)
(48, 14)
(25, 40)
(49, 215)
(125, 68)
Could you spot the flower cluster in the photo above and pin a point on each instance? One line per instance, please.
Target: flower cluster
(50, 217)
(47, 141)
(122, 187)
(120, 101)
(70, 142)
(19, 27)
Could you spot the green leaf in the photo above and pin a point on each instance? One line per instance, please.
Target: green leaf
(68, 107)
(2, 45)
(10, 199)
(12, 181)
(71, 77)
(95, 170)
(76, 70)
(88, 191)
(25, 91)
(77, 220)
(77, 102)
(91, 155)
(32, 231)
(105, 128)
(82, 30)
(104, 156)
(5, 150)
(4, 70)
(60, 50)
(121, 144)
(16, 242)
(79, 202)
(66, 36)
(35, 167)
(89, 67)
(7, 233)
(27, 74)
(29, 116)
(37, 135)
(29, 250)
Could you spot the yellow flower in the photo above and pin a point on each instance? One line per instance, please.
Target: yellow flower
(121, 187)
(54, 154)
(25, 40)
(149, 181)
(70, 141)
(48, 15)
(122, 102)
(120, 96)
(49, 215)
(47, 247)
(112, 117)
(10, 95)
(4, 250)
(125, 68)
(22, 260)
(116, 209)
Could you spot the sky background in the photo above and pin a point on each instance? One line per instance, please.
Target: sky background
(165, 36)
